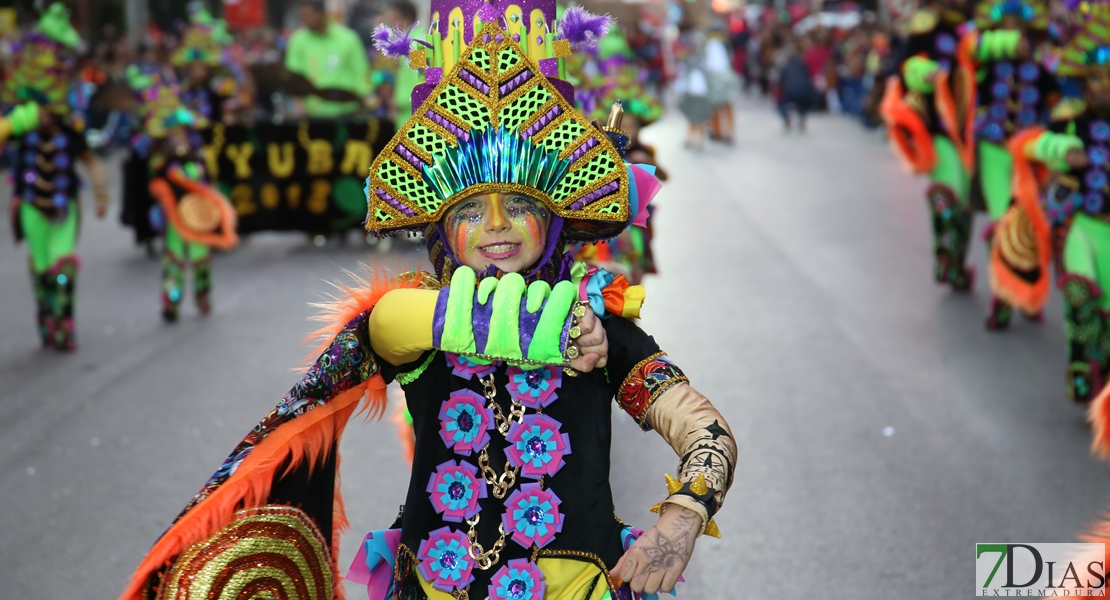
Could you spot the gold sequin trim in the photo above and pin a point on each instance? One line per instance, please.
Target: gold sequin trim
(265, 552)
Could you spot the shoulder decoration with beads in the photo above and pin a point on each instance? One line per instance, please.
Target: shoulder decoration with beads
(493, 115)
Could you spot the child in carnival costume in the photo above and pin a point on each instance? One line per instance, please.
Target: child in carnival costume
(1015, 91)
(1071, 221)
(928, 112)
(192, 216)
(508, 352)
(210, 84)
(48, 122)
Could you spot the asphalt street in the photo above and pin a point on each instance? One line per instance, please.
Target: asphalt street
(882, 431)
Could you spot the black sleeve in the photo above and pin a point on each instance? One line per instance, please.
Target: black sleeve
(921, 43)
(638, 371)
(78, 143)
(628, 346)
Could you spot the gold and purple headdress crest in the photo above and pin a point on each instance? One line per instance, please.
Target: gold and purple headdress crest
(493, 115)
(1090, 46)
(991, 13)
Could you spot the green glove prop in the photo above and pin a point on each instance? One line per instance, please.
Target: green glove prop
(505, 319)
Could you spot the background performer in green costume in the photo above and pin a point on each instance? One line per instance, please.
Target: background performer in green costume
(930, 134)
(1076, 206)
(48, 124)
(1015, 91)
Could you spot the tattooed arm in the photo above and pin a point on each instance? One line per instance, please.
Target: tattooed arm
(656, 560)
(703, 441)
(701, 438)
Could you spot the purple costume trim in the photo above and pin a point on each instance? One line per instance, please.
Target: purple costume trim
(584, 148)
(528, 324)
(474, 82)
(453, 129)
(409, 156)
(535, 128)
(390, 200)
(512, 84)
(440, 319)
(481, 318)
(595, 195)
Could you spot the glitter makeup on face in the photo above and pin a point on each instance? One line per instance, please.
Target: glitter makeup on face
(466, 223)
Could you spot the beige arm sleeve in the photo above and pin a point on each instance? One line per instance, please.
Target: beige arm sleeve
(96, 177)
(401, 324)
(700, 437)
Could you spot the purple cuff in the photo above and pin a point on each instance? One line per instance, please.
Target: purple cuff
(440, 318)
(528, 324)
(481, 318)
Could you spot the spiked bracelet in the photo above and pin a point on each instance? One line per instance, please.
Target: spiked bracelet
(695, 495)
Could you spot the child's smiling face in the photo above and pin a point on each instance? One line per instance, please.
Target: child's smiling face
(504, 229)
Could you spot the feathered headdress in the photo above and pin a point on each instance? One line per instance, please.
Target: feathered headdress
(494, 114)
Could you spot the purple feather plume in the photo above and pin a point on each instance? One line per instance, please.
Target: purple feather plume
(395, 43)
(582, 28)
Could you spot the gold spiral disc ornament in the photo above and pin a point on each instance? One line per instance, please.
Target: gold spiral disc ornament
(199, 213)
(265, 553)
(1018, 239)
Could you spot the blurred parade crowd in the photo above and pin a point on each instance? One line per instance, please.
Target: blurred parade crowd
(224, 131)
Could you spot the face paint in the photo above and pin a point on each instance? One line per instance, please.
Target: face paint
(1098, 87)
(504, 229)
(464, 226)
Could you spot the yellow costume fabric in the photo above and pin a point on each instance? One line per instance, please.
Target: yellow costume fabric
(565, 578)
(401, 325)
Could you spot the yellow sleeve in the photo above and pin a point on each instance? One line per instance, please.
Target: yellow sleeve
(5, 129)
(401, 325)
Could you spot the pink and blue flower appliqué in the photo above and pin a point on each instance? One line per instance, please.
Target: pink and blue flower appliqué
(445, 560)
(537, 446)
(519, 579)
(532, 515)
(455, 489)
(467, 368)
(536, 388)
(464, 421)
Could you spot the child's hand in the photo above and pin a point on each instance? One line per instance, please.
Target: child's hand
(1077, 158)
(592, 343)
(656, 560)
(101, 200)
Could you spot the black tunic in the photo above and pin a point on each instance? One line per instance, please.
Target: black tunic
(591, 530)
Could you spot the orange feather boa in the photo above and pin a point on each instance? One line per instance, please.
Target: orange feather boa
(308, 439)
